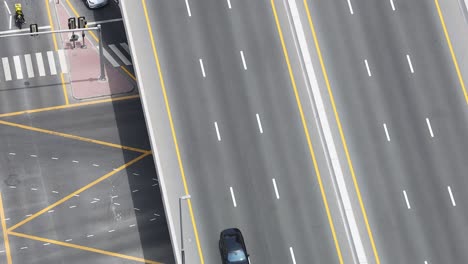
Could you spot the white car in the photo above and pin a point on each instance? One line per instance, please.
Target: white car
(96, 3)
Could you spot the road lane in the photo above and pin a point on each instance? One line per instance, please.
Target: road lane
(231, 96)
(27, 93)
(412, 77)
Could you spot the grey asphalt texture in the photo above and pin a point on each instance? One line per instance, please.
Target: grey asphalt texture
(122, 214)
(39, 169)
(244, 159)
(16, 95)
(432, 229)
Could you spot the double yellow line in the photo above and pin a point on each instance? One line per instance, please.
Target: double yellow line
(299, 104)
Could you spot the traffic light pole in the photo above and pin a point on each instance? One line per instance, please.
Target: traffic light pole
(101, 53)
(102, 75)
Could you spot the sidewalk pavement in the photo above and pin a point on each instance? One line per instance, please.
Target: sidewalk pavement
(84, 66)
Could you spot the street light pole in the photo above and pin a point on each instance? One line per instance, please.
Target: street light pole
(182, 250)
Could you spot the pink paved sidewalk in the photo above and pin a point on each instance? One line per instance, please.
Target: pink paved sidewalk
(84, 67)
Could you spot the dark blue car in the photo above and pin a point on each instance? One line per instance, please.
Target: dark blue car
(232, 247)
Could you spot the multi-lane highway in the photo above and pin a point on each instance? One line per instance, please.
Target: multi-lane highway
(232, 116)
(404, 116)
(225, 123)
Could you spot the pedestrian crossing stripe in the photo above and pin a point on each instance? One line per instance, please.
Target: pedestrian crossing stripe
(120, 55)
(6, 69)
(19, 71)
(63, 61)
(50, 58)
(37, 64)
(29, 65)
(40, 64)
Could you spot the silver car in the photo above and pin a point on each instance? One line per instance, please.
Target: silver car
(96, 3)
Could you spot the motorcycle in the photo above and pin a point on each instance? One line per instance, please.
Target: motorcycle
(19, 16)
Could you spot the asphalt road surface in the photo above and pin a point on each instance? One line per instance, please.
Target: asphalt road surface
(92, 203)
(243, 151)
(405, 119)
(78, 183)
(18, 89)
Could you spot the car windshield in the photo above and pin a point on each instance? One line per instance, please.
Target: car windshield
(236, 256)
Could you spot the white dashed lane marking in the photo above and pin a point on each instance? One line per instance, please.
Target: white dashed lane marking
(233, 197)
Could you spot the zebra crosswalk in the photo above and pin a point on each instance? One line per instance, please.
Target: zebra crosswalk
(50, 63)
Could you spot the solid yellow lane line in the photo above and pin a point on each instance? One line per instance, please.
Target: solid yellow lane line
(50, 132)
(454, 58)
(49, 15)
(306, 131)
(174, 137)
(95, 250)
(59, 107)
(5, 232)
(64, 87)
(343, 140)
(128, 73)
(82, 189)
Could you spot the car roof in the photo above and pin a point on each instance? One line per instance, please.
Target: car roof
(233, 242)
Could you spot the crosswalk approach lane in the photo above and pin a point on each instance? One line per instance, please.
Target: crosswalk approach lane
(47, 63)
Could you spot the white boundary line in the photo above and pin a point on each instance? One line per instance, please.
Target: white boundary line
(229, 4)
(24, 30)
(7, 7)
(330, 144)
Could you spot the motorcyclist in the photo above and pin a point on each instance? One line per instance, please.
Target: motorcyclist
(19, 16)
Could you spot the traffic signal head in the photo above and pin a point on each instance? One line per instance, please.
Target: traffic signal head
(82, 22)
(71, 23)
(33, 28)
